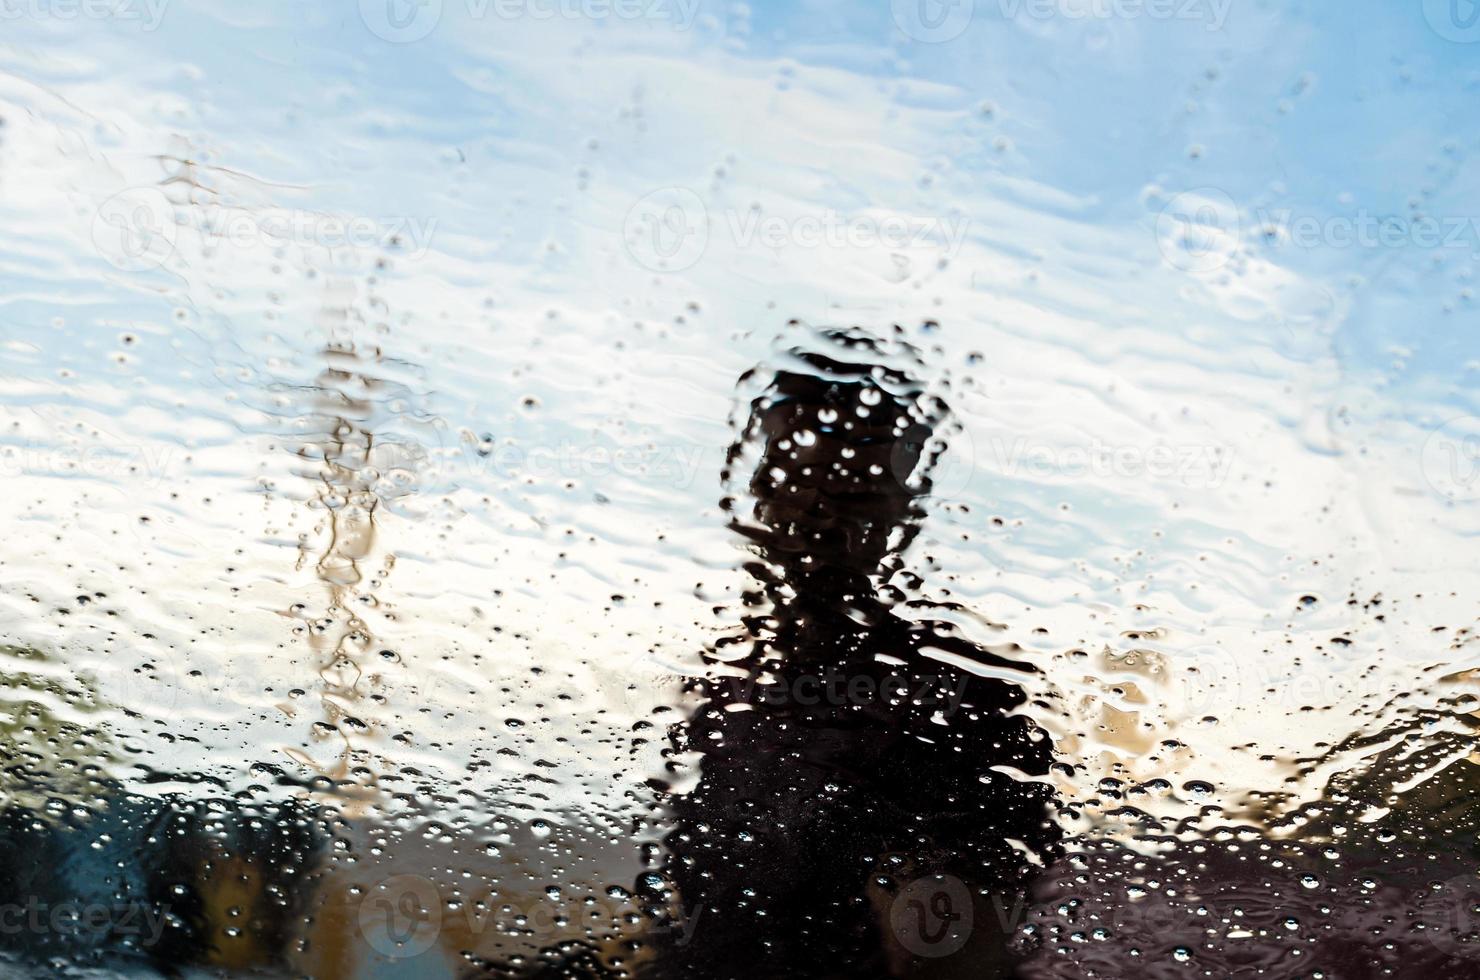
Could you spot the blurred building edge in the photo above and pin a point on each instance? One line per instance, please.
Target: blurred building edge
(95, 876)
(813, 818)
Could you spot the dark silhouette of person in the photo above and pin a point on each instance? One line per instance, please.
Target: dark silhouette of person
(851, 816)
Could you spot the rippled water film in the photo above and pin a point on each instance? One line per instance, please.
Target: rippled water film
(688, 489)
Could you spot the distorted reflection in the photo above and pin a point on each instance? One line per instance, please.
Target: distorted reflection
(865, 793)
(112, 877)
(423, 559)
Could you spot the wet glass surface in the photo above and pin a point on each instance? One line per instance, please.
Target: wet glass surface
(666, 489)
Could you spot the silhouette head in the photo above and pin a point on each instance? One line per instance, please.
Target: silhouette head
(841, 441)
